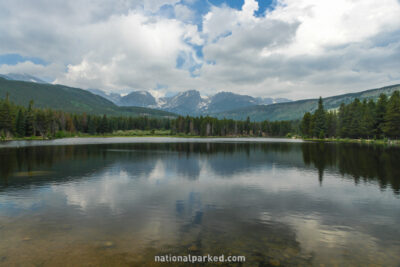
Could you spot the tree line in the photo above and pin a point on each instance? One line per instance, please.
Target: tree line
(358, 119)
(20, 121)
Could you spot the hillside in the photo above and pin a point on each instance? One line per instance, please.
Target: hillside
(69, 99)
(296, 109)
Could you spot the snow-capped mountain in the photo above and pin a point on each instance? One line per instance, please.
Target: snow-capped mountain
(190, 102)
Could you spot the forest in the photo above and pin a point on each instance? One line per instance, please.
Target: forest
(18, 122)
(359, 119)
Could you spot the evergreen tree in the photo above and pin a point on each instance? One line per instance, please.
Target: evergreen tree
(29, 120)
(91, 125)
(247, 125)
(103, 128)
(368, 119)
(331, 124)
(380, 115)
(20, 123)
(320, 120)
(344, 120)
(392, 117)
(41, 122)
(305, 127)
(356, 112)
(6, 119)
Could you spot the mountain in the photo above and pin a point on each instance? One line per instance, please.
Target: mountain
(113, 97)
(296, 109)
(21, 77)
(69, 99)
(226, 100)
(189, 102)
(138, 99)
(185, 103)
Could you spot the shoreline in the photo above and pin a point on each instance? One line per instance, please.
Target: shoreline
(356, 141)
(186, 136)
(130, 133)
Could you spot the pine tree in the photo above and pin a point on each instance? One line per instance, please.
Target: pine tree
(6, 118)
(331, 124)
(380, 114)
(368, 119)
(306, 125)
(320, 120)
(391, 126)
(247, 125)
(29, 120)
(103, 128)
(42, 122)
(20, 123)
(91, 125)
(344, 120)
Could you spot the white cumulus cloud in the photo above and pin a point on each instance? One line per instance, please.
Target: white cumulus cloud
(300, 48)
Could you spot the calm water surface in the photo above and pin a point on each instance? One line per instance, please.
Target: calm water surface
(120, 202)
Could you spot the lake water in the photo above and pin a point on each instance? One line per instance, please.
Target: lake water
(122, 201)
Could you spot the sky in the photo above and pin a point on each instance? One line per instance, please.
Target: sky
(270, 48)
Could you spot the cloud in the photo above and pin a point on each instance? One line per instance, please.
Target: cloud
(131, 51)
(184, 13)
(300, 48)
(303, 48)
(34, 69)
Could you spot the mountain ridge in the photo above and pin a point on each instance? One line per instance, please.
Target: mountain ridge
(221, 105)
(189, 102)
(295, 110)
(69, 99)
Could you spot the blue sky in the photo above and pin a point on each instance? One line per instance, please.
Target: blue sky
(13, 59)
(273, 48)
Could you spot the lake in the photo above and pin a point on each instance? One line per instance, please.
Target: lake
(123, 201)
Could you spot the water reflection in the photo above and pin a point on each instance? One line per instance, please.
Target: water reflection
(361, 162)
(290, 204)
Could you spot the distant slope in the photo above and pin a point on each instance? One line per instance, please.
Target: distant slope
(138, 99)
(113, 97)
(296, 109)
(74, 100)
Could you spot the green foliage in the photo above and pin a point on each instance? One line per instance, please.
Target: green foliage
(6, 117)
(319, 120)
(48, 123)
(357, 119)
(20, 123)
(29, 119)
(380, 113)
(321, 135)
(391, 125)
(305, 127)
